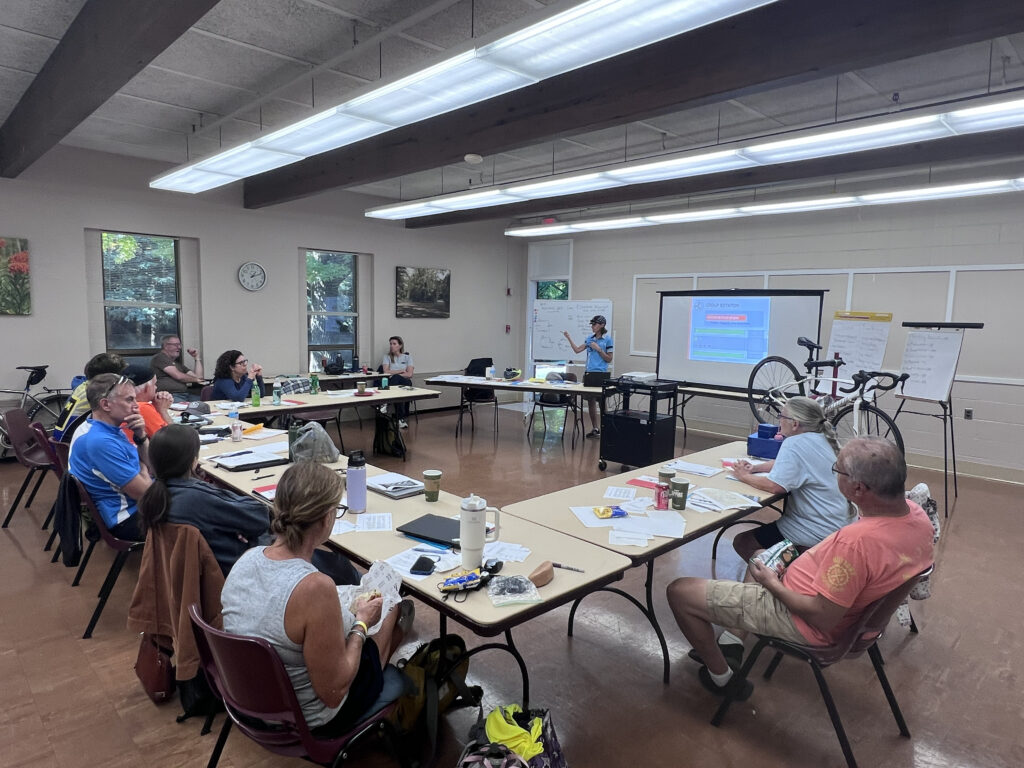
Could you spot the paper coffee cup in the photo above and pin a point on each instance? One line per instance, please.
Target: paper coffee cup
(432, 483)
(679, 489)
(665, 474)
(361, 386)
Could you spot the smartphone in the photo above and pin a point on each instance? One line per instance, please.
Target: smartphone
(423, 566)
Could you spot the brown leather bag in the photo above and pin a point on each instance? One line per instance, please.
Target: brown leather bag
(154, 669)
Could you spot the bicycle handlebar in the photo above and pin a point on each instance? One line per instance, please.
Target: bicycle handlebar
(861, 378)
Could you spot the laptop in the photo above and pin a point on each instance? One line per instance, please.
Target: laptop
(440, 530)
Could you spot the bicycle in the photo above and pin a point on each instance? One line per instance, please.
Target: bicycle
(775, 379)
(45, 408)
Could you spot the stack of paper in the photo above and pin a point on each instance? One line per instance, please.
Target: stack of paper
(394, 485)
(506, 551)
(693, 469)
(716, 500)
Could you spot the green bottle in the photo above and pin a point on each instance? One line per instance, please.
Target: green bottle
(255, 393)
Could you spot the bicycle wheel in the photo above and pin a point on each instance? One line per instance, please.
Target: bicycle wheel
(47, 409)
(773, 381)
(873, 421)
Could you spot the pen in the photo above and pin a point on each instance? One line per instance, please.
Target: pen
(431, 550)
(228, 455)
(262, 477)
(568, 567)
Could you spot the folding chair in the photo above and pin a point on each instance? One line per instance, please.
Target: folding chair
(123, 548)
(250, 678)
(861, 636)
(30, 455)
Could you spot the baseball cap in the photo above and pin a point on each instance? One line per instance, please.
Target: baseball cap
(598, 319)
(138, 374)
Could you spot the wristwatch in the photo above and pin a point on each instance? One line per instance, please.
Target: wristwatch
(137, 441)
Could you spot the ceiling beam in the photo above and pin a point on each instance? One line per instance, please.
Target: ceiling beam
(790, 42)
(975, 147)
(108, 43)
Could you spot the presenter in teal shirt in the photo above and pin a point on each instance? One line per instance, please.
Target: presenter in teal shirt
(599, 354)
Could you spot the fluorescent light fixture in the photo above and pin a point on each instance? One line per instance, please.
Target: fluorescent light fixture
(320, 133)
(246, 160)
(620, 223)
(680, 167)
(939, 193)
(848, 140)
(681, 217)
(686, 216)
(599, 30)
(480, 199)
(191, 180)
(592, 31)
(1007, 114)
(405, 211)
(545, 229)
(812, 145)
(798, 206)
(565, 185)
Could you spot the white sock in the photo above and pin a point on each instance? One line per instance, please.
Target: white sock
(728, 638)
(722, 679)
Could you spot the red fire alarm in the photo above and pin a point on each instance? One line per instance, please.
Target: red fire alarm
(508, 328)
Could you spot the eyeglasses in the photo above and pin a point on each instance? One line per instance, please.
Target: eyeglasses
(838, 471)
(115, 385)
(340, 513)
(243, 361)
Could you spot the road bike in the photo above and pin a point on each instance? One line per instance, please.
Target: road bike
(44, 407)
(849, 404)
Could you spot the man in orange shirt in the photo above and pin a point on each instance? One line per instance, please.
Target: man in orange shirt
(154, 407)
(826, 589)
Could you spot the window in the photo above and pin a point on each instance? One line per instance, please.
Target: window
(331, 310)
(140, 291)
(553, 289)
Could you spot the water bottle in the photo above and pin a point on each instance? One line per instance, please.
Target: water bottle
(314, 384)
(277, 391)
(355, 481)
(255, 393)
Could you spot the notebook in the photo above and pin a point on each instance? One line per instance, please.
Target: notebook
(242, 460)
(441, 530)
(394, 485)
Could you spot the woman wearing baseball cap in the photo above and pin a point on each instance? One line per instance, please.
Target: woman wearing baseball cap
(599, 354)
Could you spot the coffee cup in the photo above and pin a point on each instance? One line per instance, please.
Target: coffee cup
(236, 432)
(361, 386)
(431, 483)
(679, 489)
(665, 474)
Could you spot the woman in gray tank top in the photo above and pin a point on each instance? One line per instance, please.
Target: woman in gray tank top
(275, 593)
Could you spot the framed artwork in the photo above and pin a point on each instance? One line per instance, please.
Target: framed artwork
(423, 292)
(15, 294)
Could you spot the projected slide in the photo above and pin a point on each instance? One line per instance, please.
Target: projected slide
(729, 329)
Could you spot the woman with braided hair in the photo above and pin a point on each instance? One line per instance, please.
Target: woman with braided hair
(803, 469)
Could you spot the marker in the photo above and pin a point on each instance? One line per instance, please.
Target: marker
(568, 567)
(228, 455)
(262, 477)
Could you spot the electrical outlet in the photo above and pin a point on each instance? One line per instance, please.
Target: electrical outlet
(968, 414)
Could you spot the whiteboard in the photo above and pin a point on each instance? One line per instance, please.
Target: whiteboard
(860, 339)
(551, 317)
(930, 358)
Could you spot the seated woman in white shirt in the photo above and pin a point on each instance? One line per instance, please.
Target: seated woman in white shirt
(397, 365)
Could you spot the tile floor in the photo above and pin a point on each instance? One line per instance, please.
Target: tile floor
(72, 702)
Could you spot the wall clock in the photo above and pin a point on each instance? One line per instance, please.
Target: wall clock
(252, 276)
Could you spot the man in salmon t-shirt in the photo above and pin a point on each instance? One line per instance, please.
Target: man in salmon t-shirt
(826, 589)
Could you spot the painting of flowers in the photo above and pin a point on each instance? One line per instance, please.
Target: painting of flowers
(15, 297)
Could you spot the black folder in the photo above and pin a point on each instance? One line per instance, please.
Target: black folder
(440, 530)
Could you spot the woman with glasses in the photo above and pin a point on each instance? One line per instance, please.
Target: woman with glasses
(803, 469)
(233, 377)
(276, 593)
(599, 354)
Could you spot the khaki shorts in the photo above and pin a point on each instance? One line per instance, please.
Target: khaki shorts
(739, 605)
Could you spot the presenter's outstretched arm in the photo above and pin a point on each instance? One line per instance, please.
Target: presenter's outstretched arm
(572, 344)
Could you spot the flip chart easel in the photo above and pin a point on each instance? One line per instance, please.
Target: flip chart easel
(859, 338)
(930, 357)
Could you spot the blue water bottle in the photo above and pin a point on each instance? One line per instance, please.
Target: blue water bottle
(355, 482)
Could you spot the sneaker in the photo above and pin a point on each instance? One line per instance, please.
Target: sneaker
(406, 616)
(733, 653)
(403, 424)
(594, 433)
(740, 694)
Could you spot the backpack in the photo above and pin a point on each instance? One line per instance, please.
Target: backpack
(387, 439)
(422, 670)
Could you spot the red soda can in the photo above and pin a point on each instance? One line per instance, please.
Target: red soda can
(661, 496)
